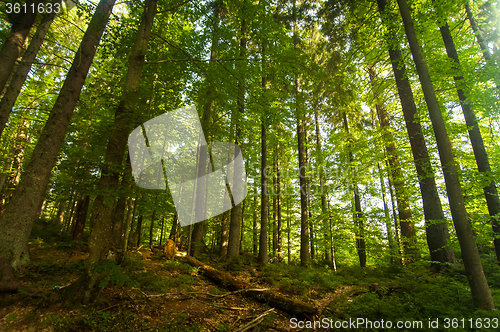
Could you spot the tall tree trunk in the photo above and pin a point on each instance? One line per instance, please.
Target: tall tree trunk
(263, 255)
(399, 257)
(233, 248)
(402, 196)
(174, 229)
(319, 158)
(14, 88)
(130, 214)
(304, 231)
(131, 233)
(275, 227)
(17, 220)
(101, 244)
(470, 255)
(80, 218)
(254, 228)
(278, 203)
(288, 231)
(138, 231)
(11, 49)
(151, 229)
(196, 237)
(437, 233)
(359, 230)
(390, 238)
(242, 233)
(162, 227)
(482, 162)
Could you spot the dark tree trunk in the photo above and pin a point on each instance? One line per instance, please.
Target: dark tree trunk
(80, 218)
(101, 244)
(14, 88)
(234, 229)
(196, 237)
(124, 244)
(254, 229)
(242, 233)
(358, 213)
(278, 203)
(162, 227)
(402, 196)
(483, 164)
(17, 220)
(11, 49)
(390, 238)
(275, 226)
(263, 256)
(151, 229)
(437, 233)
(470, 255)
(138, 231)
(319, 158)
(304, 231)
(174, 229)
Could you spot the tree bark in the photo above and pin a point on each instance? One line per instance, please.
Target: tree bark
(402, 196)
(278, 203)
(101, 244)
(130, 211)
(18, 217)
(476, 139)
(304, 231)
(359, 230)
(11, 49)
(242, 232)
(80, 217)
(275, 226)
(151, 229)
(233, 248)
(437, 233)
(263, 255)
(254, 228)
(470, 255)
(16, 84)
(196, 242)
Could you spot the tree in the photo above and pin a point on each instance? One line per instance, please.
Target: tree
(405, 216)
(233, 249)
(304, 226)
(17, 220)
(482, 161)
(14, 88)
(437, 233)
(470, 255)
(11, 49)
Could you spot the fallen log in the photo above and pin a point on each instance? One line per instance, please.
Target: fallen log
(272, 298)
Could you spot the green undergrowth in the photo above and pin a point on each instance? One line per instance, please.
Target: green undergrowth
(416, 294)
(389, 293)
(123, 320)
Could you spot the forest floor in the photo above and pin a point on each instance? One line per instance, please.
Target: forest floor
(185, 300)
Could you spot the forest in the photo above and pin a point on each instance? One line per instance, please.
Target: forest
(364, 136)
